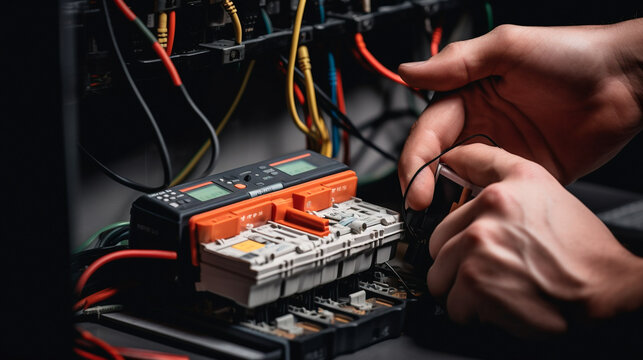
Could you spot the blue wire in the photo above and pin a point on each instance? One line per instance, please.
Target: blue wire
(322, 12)
(332, 77)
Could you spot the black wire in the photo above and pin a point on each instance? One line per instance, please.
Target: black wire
(406, 192)
(213, 134)
(160, 140)
(339, 118)
(406, 287)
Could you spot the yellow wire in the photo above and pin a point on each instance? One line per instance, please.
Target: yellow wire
(228, 5)
(290, 73)
(237, 28)
(320, 125)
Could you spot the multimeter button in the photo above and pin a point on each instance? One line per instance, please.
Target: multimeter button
(166, 195)
(266, 177)
(268, 171)
(181, 202)
(187, 200)
(159, 197)
(274, 173)
(240, 186)
(261, 167)
(173, 204)
(173, 193)
(166, 200)
(172, 197)
(260, 184)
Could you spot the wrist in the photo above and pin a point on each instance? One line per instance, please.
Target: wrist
(621, 291)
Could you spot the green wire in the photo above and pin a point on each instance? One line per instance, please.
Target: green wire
(92, 238)
(487, 7)
(266, 20)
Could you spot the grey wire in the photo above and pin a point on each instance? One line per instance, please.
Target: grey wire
(167, 166)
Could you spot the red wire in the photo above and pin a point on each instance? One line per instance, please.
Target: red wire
(341, 104)
(142, 354)
(87, 355)
(435, 40)
(129, 14)
(300, 95)
(169, 65)
(361, 47)
(123, 254)
(95, 298)
(171, 29)
(158, 49)
(101, 344)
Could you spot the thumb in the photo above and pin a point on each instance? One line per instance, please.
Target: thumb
(484, 165)
(460, 63)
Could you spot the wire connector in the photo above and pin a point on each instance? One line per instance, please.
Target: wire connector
(161, 31)
(228, 5)
(303, 59)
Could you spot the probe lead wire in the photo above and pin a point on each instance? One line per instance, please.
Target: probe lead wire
(459, 143)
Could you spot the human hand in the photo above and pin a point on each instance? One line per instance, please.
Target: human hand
(568, 98)
(525, 254)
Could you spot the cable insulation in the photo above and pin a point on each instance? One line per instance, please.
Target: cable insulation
(171, 32)
(373, 62)
(160, 140)
(436, 38)
(290, 72)
(119, 255)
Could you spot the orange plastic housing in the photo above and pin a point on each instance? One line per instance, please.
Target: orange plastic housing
(288, 207)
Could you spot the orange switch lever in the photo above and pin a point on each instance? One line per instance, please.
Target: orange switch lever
(304, 221)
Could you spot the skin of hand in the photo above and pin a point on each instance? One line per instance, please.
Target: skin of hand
(568, 98)
(525, 254)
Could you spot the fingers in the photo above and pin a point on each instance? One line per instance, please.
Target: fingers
(460, 63)
(453, 224)
(450, 262)
(436, 129)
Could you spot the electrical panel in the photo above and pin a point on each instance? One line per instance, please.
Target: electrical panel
(281, 256)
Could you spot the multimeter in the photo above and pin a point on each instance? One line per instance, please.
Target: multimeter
(160, 220)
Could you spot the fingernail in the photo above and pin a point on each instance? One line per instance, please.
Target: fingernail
(412, 64)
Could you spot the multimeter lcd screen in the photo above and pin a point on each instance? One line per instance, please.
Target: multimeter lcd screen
(208, 192)
(296, 167)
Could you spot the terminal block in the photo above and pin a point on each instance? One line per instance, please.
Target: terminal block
(299, 252)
